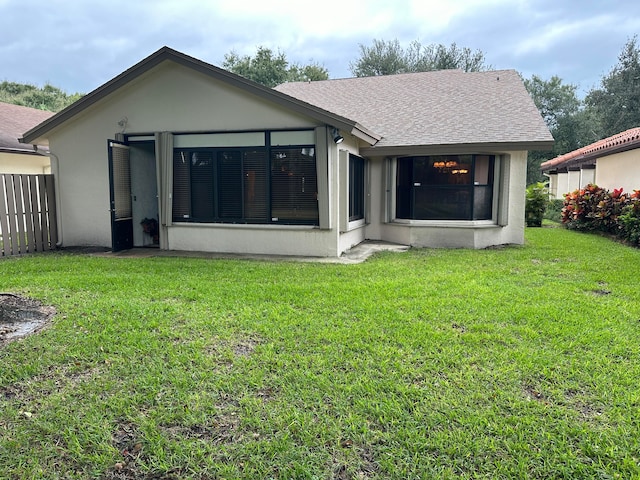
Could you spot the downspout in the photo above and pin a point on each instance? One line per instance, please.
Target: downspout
(55, 168)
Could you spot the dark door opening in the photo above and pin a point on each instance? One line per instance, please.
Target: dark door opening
(120, 193)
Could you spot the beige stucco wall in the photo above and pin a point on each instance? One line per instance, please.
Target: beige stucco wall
(20, 163)
(350, 233)
(619, 170)
(254, 239)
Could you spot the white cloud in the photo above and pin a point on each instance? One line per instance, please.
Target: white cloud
(78, 45)
(562, 30)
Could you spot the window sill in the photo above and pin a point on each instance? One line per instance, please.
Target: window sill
(356, 224)
(445, 223)
(244, 226)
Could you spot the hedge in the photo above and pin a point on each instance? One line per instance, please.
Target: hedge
(593, 208)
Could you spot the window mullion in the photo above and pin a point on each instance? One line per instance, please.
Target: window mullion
(472, 189)
(216, 183)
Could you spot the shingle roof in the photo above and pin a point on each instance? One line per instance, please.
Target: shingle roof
(626, 140)
(14, 121)
(433, 108)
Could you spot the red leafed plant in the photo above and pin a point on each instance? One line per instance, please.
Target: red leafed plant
(630, 220)
(594, 208)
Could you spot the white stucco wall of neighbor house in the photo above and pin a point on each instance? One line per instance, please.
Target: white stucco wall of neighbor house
(573, 180)
(175, 99)
(563, 184)
(553, 185)
(587, 176)
(21, 163)
(620, 170)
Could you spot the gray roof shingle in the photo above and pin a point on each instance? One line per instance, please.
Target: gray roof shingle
(444, 107)
(14, 121)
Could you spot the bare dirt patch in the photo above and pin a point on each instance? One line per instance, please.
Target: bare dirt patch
(21, 316)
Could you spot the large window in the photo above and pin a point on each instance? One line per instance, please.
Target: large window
(356, 188)
(450, 187)
(245, 185)
(294, 190)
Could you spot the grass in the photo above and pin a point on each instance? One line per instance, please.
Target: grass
(517, 362)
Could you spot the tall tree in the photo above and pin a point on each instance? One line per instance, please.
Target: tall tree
(553, 99)
(562, 111)
(381, 58)
(389, 58)
(271, 69)
(617, 103)
(48, 97)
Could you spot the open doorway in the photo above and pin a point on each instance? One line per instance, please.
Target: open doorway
(144, 194)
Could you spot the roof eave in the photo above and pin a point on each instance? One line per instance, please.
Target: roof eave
(455, 148)
(20, 151)
(590, 156)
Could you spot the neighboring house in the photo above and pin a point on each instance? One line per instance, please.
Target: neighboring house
(611, 163)
(16, 157)
(227, 165)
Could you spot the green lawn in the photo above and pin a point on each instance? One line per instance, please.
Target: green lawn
(517, 362)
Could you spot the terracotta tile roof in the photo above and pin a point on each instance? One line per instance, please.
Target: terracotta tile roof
(14, 121)
(626, 140)
(432, 108)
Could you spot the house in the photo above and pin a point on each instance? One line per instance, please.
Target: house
(226, 165)
(16, 157)
(610, 163)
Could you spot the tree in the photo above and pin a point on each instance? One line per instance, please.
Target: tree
(382, 58)
(553, 99)
(389, 58)
(271, 69)
(46, 98)
(308, 73)
(616, 104)
(569, 123)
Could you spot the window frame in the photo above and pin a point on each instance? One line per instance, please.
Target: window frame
(357, 188)
(407, 188)
(184, 182)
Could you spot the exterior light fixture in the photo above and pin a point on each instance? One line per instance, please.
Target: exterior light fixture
(337, 138)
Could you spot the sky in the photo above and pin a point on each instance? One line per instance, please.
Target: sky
(77, 45)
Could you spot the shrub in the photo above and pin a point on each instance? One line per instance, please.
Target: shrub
(630, 220)
(536, 204)
(554, 210)
(594, 209)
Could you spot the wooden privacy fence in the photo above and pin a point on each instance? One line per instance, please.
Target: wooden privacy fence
(27, 214)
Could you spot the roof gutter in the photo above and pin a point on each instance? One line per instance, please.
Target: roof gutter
(455, 148)
(19, 151)
(55, 168)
